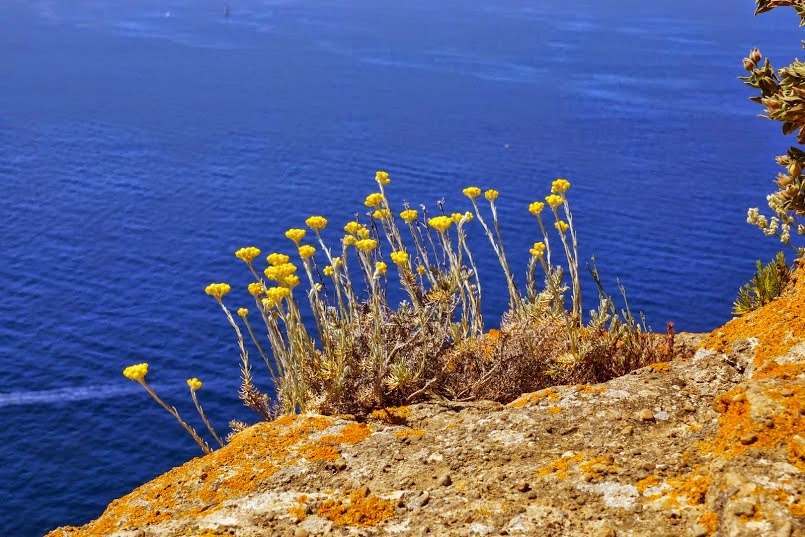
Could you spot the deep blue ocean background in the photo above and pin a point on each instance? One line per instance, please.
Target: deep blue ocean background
(141, 143)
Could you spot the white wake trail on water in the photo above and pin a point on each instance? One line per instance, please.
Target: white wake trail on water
(65, 395)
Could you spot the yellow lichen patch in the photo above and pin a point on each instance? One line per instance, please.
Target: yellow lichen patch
(198, 487)
(393, 415)
(324, 448)
(691, 487)
(796, 451)
(661, 367)
(586, 389)
(554, 397)
(777, 326)
(710, 521)
(554, 410)
(560, 467)
(298, 512)
(359, 510)
(530, 398)
(647, 482)
(409, 432)
(738, 431)
(598, 467)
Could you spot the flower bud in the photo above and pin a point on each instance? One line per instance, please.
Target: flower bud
(748, 65)
(783, 180)
(794, 169)
(755, 55)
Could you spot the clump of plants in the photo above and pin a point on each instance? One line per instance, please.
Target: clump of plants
(359, 352)
(767, 284)
(782, 93)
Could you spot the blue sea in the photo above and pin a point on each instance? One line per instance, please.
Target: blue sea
(142, 143)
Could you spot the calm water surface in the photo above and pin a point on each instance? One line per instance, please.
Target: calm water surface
(141, 143)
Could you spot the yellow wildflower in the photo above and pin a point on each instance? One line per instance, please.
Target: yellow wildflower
(217, 290)
(421, 269)
(400, 257)
(247, 254)
(560, 186)
(268, 303)
(316, 222)
(536, 208)
(279, 272)
(306, 251)
(381, 214)
(296, 235)
(136, 372)
(469, 216)
(472, 192)
(337, 262)
(538, 250)
(440, 223)
(352, 227)
(366, 244)
(456, 217)
(491, 195)
(363, 232)
(349, 240)
(409, 215)
(194, 384)
(561, 226)
(278, 293)
(554, 201)
(374, 199)
(381, 267)
(382, 178)
(329, 271)
(277, 259)
(243, 312)
(256, 289)
(292, 281)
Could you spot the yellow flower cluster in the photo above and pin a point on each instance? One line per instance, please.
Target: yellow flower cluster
(243, 312)
(357, 229)
(277, 259)
(374, 199)
(291, 281)
(256, 289)
(440, 223)
(306, 251)
(458, 217)
(400, 257)
(421, 269)
(296, 235)
(316, 222)
(536, 208)
(194, 384)
(381, 214)
(280, 273)
(136, 372)
(560, 186)
(349, 240)
(276, 294)
(247, 254)
(409, 215)
(554, 201)
(329, 271)
(366, 244)
(217, 290)
(491, 195)
(382, 178)
(381, 267)
(561, 226)
(538, 250)
(268, 303)
(472, 192)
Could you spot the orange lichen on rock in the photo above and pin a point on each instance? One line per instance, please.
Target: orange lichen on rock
(598, 467)
(409, 432)
(324, 448)
(298, 512)
(554, 410)
(647, 482)
(662, 367)
(691, 487)
(777, 326)
(710, 521)
(530, 398)
(560, 467)
(360, 509)
(586, 389)
(242, 467)
(393, 414)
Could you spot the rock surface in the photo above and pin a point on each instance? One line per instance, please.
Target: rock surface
(711, 443)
